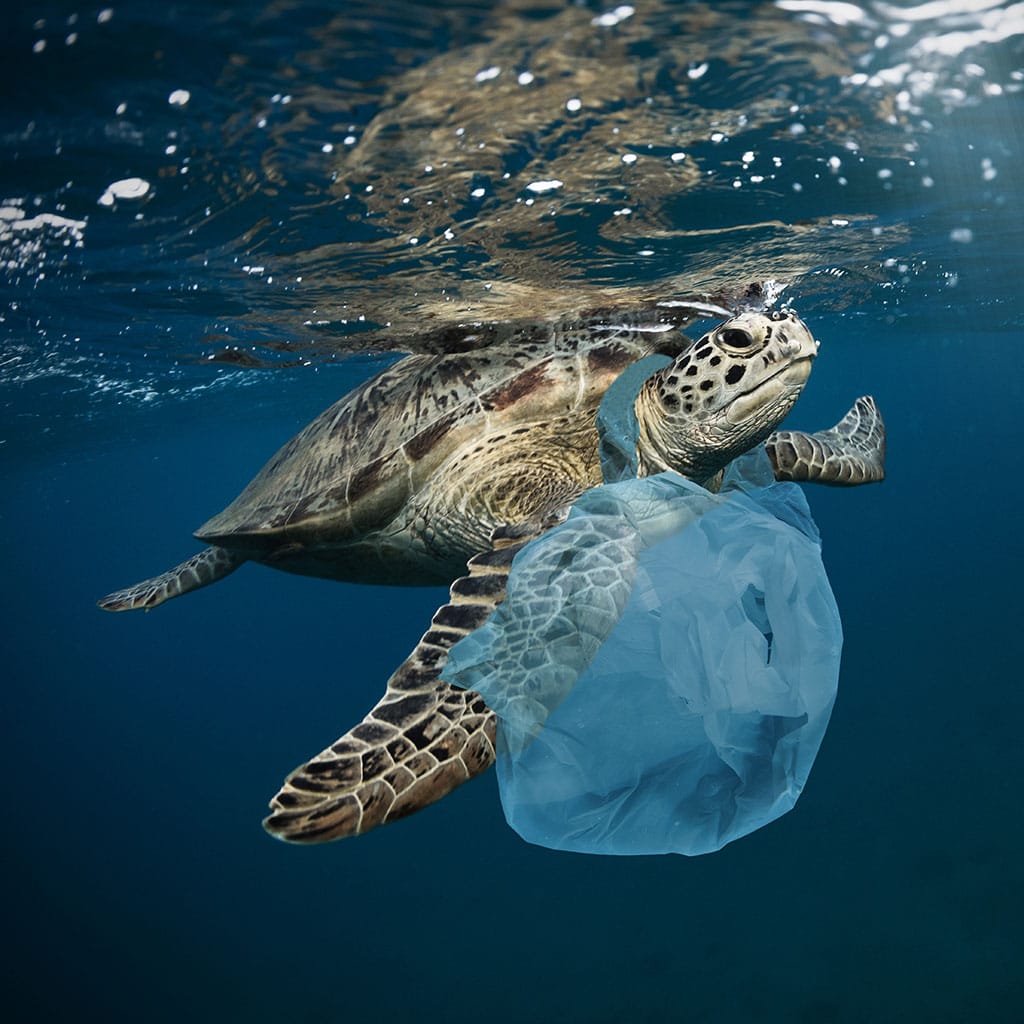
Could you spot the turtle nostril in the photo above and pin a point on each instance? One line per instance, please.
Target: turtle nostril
(736, 338)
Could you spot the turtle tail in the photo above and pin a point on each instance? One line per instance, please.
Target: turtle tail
(210, 565)
(422, 740)
(848, 454)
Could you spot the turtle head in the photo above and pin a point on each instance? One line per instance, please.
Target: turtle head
(723, 395)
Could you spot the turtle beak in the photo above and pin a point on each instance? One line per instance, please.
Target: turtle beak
(782, 387)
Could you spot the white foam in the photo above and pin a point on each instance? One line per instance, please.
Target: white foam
(828, 10)
(15, 225)
(614, 17)
(130, 189)
(545, 186)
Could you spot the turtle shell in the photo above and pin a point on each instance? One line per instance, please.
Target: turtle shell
(354, 467)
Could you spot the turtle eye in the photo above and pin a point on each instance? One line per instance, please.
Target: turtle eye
(736, 338)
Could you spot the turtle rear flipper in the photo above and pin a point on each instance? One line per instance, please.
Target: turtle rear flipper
(210, 565)
(422, 740)
(850, 453)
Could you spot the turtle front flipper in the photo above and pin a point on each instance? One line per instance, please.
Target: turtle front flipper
(210, 565)
(422, 740)
(850, 453)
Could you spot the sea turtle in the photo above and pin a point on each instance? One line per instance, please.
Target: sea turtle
(443, 460)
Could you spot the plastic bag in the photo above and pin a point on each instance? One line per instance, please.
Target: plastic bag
(663, 667)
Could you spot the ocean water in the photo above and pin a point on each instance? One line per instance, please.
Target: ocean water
(313, 188)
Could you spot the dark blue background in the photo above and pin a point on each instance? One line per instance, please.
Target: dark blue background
(139, 750)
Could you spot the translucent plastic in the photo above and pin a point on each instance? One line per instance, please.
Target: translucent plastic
(664, 665)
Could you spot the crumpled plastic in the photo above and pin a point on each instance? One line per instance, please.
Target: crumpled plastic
(663, 667)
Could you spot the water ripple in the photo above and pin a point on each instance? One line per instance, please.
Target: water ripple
(197, 191)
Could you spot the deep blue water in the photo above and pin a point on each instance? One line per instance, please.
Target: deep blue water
(139, 750)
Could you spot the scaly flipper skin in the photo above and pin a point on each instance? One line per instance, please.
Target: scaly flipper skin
(849, 454)
(422, 740)
(210, 565)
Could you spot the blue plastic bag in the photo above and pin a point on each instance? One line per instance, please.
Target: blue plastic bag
(663, 667)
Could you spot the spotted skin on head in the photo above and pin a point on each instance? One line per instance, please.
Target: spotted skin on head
(723, 395)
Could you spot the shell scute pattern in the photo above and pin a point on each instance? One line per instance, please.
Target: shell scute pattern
(355, 466)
